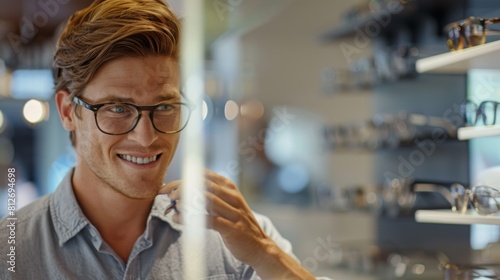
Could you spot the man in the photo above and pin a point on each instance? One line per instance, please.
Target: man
(117, 92)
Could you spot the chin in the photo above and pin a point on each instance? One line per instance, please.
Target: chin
(137, 187)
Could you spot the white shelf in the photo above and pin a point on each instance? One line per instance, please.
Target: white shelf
(449, 217)
(465, 133)
(485, 56)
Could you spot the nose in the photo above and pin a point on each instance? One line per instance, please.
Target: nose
(144, 133)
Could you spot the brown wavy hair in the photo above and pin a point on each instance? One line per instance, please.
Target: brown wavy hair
(110, 29)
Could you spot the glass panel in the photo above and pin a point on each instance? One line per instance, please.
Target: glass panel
(484, 152)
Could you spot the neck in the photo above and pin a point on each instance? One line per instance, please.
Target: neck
(120, 220)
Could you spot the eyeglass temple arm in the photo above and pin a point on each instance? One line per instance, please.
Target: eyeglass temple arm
(82, 103)
(420, 119)
(444, 191)
(492, 32)
(492, 20)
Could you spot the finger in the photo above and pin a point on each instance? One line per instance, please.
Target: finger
(230, 196)
(172, 206)
(219, 179)
(168, 188)
(219, 224)
(175, 194)
(211, 223)
(177, 218)
(175, 205)
(219, 207)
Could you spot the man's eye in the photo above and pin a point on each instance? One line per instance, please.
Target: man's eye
(118, 108)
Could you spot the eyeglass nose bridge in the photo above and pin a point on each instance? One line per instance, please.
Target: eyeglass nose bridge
(488, 117)
(141, 109)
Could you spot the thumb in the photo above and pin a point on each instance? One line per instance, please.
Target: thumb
(168, 188)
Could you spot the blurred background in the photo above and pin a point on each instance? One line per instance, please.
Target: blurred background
(340, 120)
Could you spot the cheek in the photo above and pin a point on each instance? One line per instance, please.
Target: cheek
(172, 141)
(84, 139)
(95, 145)
(88, 137)
(175, 141)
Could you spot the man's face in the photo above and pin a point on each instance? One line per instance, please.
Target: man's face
(116, 159)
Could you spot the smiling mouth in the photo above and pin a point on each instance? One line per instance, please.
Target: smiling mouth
(139, 160)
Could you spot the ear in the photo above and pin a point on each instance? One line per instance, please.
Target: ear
(65, 108)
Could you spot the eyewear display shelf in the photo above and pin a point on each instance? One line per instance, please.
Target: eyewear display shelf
(446, 216)
(486, 56)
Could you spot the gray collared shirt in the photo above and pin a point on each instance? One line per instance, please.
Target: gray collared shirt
(54, 240)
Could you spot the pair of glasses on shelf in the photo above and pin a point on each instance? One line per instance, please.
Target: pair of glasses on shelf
(483, 114)
(453, 271)
(484, 199)
(469, 32)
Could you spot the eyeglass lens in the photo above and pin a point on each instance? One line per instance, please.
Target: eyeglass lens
(474, 32)
(118, 118)
(455, 40)
(486, 200)
(469, 110)
(488, 112)
(470, 32)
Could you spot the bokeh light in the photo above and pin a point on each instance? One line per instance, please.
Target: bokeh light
(231, 110)
(35, 111)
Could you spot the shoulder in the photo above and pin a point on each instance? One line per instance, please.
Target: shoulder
(33, 241)
(26, 219)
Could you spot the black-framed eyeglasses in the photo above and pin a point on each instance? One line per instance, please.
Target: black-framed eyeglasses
(469, 32)
(118, 118)
(484, 114)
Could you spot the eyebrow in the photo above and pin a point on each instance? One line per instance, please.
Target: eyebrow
(115, 98)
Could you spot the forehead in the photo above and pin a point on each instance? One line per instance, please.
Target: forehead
(140, 78)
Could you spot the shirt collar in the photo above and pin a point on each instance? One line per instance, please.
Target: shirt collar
(69, 219)
(66, 213)
(159, 207)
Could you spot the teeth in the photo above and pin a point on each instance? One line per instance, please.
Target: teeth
(139, 160)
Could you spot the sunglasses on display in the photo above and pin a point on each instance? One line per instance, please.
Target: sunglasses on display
(469, 32)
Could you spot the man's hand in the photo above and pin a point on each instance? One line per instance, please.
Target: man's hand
(229, 214)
